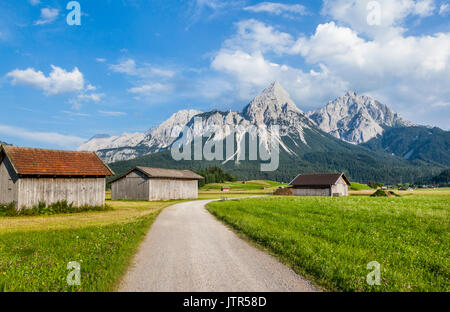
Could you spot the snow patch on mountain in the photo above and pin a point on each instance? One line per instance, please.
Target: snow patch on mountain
(131, 145)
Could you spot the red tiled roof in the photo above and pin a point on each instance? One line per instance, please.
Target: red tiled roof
(33, 161)
(320, 179)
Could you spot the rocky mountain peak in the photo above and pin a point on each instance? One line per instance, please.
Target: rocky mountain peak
(356, 119)
(268, 106)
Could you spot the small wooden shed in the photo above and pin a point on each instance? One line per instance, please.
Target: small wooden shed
(143, 183)
(324, 184)
(29, 176)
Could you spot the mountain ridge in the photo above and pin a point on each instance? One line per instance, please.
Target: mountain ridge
(356, 119)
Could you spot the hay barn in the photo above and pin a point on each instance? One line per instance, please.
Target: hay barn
(29, 176)
(142, 183)
(325, 184)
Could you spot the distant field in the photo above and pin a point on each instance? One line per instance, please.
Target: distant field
(262, 186)
(358, 186)
(331, 240)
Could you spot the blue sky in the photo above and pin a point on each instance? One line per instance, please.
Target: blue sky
(133, 63)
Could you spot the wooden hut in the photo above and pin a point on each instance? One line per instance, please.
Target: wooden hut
(326, 184)
(142, 183)
(29, 176)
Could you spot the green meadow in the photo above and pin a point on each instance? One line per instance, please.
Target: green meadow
(331, 240)
(35, 249)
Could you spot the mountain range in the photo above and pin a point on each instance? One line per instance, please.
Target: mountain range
(353, 134)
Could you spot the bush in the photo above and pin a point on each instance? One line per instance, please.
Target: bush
(42, 209)
(383, 193)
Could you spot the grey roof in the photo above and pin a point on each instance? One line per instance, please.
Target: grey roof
(164, 173)
(169, 173)
(321, 179)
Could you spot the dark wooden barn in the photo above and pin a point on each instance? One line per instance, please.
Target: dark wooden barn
(325, 184)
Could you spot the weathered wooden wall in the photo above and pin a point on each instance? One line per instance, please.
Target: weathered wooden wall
(312, 191)
(78, 191)
(340, 188)
(137, 186)
(166, 189)
(132, 187)
(9, 185)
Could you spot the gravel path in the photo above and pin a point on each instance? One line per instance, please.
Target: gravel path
(187, 249)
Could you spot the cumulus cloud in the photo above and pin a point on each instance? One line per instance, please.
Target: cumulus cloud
(57, 82)
(406, 72)
(424, 57)
(68, 141)
(34, 2)
(277, 8)
(391, 14)
(48, 15)
(254, 35)
(253, 72)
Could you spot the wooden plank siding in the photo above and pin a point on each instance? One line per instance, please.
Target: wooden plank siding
(166, 189)
(311, 191)
(78, 191)
(340, 188)
(9, 186)
(134, 186)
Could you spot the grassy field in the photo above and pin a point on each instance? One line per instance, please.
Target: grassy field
(331, 240)
(358, 187)
(35, 250)
(257, 186)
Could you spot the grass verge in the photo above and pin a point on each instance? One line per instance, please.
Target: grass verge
(331, 240)
(37, 261)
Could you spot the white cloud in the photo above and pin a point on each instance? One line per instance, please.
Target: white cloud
(90, 87)
(252, 72)
(57, 82)
(113, 114)
(392, 14)
(277, 8)
(444, 9)
(150, 88)
(43, 137)
(129, 67)
(95, 97)
(100, 60)
(48, 15)
(256, 36)
(34, 2)
(78, 114)
(125, 67)
(422, 58)
(408, 73)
